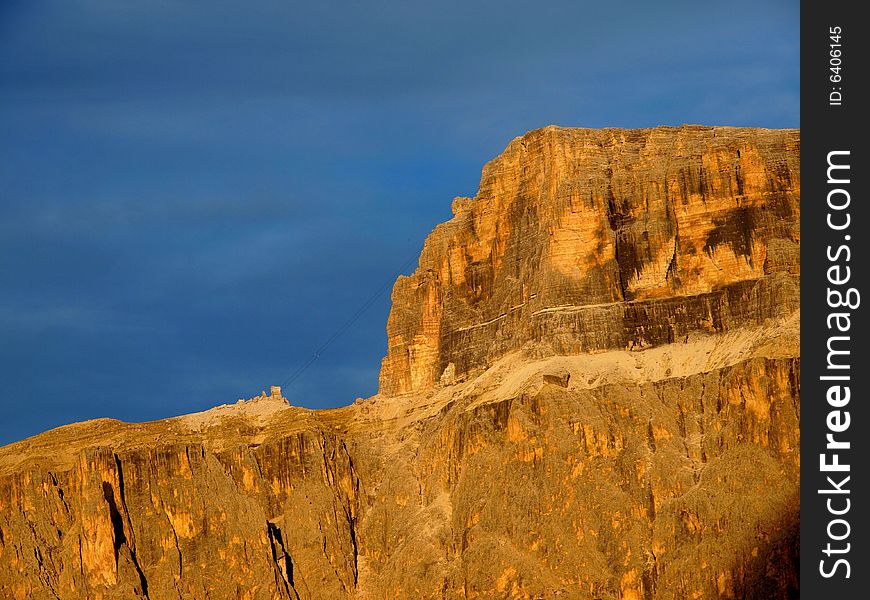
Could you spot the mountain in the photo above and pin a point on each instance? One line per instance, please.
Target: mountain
(591, 391)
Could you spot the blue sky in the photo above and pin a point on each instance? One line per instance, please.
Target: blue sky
(195, 195)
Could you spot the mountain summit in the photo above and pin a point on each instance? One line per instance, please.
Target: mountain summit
(583, 240)
(591, 391)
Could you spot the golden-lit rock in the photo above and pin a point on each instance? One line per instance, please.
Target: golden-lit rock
(592, 390)
(591, 239)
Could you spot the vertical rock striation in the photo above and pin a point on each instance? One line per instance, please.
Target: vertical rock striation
(590, 239)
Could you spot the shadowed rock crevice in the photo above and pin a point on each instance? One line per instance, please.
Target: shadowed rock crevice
(282, 559)
(123, 550)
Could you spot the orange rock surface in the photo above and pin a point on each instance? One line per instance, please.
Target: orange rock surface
(592, 391)
(591, 239)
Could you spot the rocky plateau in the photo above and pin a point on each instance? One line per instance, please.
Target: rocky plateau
(591, 391)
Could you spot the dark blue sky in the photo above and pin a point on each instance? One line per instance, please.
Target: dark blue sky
(195, 195)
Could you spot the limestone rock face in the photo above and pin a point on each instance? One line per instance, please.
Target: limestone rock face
(591, 239)
(592, 391)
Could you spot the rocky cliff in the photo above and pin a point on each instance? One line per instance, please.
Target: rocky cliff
(592, 391)
(583, 240)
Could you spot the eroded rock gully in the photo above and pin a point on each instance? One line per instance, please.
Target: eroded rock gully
(592, 391)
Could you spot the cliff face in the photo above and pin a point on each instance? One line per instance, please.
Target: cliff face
(582, 240)
(592, 391)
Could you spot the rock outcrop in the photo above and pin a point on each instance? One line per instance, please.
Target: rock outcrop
(582, 240)
(592, 391)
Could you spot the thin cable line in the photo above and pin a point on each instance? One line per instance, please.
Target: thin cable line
(347, 325)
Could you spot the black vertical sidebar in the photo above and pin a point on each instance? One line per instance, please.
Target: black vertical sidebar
(835, 229)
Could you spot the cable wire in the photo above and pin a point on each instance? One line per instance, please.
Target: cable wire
(347, 325)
